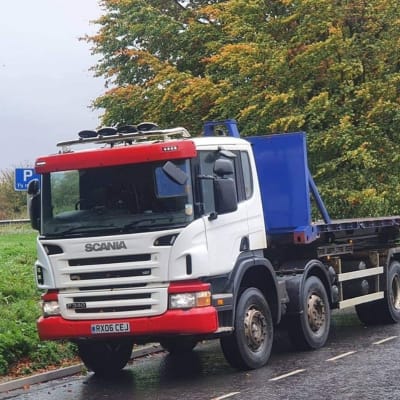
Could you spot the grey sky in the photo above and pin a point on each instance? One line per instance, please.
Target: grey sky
(46, 87)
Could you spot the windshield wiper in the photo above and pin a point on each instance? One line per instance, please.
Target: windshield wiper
(84, 229)
(138, 224)
(152, 223)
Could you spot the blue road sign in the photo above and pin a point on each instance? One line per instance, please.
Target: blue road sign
(22, 177)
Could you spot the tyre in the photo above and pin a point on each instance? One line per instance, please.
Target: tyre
(387, 310)
(105, 357)
(249, 347)
(310, 329)
(179, 344)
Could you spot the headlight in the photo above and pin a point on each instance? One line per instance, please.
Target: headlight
(50, 308)
(190, 300)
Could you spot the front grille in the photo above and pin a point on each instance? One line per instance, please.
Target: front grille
(116, 271)
(113, 284)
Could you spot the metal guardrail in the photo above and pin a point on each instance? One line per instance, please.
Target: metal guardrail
(14, 221)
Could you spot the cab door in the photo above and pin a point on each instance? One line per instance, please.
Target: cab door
(227, 234)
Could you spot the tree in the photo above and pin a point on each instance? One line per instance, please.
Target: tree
(328, 67)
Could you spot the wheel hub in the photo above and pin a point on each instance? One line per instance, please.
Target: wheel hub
(255, 328)
(316, 312)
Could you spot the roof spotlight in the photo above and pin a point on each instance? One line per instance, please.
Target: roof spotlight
(147, 126)
(127, 129)
(107, 131)
(86, 134)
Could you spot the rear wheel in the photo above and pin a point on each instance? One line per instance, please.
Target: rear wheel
(310, 329)
(105, 357)
(249, 346)
(387, 310)
(179, 344)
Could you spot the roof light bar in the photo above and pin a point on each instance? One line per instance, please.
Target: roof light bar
(118, 135)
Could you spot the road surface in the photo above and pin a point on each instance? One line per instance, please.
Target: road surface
(357, 363)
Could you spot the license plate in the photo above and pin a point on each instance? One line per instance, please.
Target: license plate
(118, 327)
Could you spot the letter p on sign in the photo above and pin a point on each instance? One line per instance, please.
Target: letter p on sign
(27, 174)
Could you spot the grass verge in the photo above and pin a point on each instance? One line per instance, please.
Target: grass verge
(21, 351)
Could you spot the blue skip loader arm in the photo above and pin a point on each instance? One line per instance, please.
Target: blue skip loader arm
(320, 204)
(308, 233)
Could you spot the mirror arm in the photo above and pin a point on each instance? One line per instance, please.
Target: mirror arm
(208, 177)
(213, 215)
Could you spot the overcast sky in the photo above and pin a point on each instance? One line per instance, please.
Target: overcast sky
(46, 87)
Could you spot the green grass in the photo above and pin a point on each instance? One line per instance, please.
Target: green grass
(19, 306)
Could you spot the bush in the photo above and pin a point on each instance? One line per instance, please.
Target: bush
(13, 203)
(19, 308)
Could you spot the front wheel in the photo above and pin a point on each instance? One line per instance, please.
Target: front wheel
(105, 357)
(310, 329)
(249, 347)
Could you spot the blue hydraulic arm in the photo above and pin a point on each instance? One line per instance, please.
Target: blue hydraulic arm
(320, 204)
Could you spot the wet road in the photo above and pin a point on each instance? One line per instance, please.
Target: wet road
(357, 363)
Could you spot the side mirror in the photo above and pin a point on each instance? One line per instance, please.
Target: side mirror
(33, 187)
(223, 167)
(34, 203)
(225, 195)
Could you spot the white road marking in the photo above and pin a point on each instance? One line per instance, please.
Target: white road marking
(277, 378)
(298, 371)
(225, 396)
(341, 356)
(385, 340)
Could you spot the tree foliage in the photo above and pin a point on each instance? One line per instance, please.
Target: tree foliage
(328, 67)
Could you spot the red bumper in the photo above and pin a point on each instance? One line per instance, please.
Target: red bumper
(202, 320)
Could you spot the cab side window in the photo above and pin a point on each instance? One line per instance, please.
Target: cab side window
(247, 177)
(206, 167)
(242, 177)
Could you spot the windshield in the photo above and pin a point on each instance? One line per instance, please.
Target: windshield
(128, 198)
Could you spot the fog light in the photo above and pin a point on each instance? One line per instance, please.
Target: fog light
(39, 275)
(189, 300)
(50, 308)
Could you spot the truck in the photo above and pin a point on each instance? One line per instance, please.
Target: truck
(151, 235)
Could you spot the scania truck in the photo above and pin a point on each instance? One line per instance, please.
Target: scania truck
(151, 235)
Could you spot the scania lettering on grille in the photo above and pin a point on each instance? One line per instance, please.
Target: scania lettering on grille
(100, 246)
